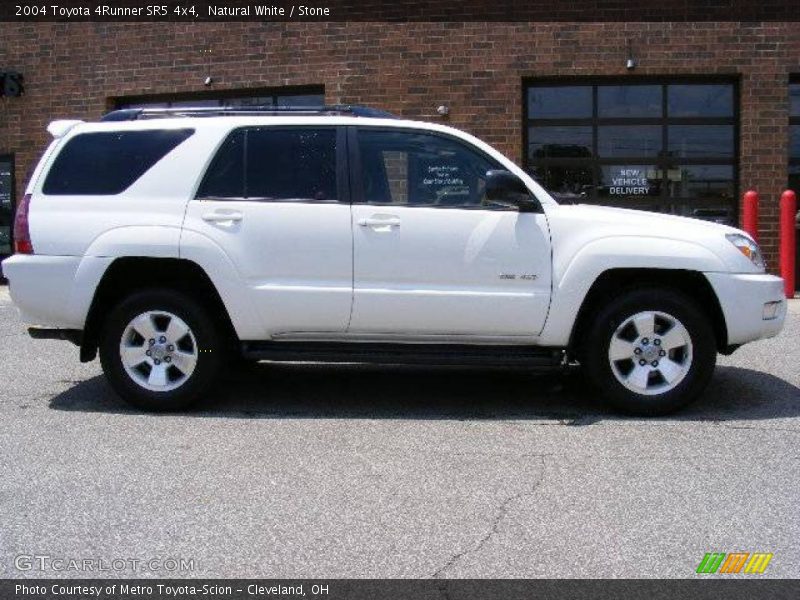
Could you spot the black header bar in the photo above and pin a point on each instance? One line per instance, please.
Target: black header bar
(70, 11)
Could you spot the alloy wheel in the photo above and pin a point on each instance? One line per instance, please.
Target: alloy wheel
(650, 353)
(158, 351)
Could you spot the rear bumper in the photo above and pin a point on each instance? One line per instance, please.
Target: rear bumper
(54, 292)
(41, 286)
(747, 301)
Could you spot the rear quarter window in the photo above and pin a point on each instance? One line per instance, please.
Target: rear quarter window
(108, 163)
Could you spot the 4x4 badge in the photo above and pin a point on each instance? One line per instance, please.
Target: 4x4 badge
(524, 276)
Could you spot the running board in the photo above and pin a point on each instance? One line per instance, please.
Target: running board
(404, 354)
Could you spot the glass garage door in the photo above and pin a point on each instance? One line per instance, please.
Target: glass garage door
(668, 146)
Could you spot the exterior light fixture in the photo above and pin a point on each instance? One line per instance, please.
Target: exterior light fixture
(630, 64)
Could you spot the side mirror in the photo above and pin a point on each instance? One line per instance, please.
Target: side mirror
(503, 187)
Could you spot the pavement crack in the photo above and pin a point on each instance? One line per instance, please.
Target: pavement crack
(494, 529)
(757, 428)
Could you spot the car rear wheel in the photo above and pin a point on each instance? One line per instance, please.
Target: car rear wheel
(650, 351)
(160, 350)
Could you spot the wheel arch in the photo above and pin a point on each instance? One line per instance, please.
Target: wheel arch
(127, 274)
(614, 282)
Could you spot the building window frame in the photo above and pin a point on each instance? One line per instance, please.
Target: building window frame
(794, 121)
(10, 158)
(223, 96)
(662, 201)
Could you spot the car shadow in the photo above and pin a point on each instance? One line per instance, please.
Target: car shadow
(368, 392)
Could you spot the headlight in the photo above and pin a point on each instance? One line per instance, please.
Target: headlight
(747, 247)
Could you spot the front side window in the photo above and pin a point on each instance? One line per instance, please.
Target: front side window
(420, 169)
(108, 163)
(274, 164)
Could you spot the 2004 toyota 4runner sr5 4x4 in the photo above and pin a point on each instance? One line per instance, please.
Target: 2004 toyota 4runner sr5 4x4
(172, 241)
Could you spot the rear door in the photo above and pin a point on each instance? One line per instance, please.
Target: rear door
(431, 257)
(275, 200)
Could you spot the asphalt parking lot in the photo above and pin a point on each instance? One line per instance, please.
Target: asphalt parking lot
(311, 471)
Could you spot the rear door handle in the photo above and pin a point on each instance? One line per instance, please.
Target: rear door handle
(379, 222)
(219, 216)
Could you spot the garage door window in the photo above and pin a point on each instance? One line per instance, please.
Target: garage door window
(669, 146)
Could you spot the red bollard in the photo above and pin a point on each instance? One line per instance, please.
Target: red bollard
(788, 240)
(750, 213)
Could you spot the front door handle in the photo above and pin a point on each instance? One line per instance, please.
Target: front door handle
(380, 222)
(219, 216)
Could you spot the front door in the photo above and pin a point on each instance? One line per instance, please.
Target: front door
(275, 199)
(431, 258)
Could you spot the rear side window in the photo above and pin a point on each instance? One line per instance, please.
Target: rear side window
(274, 164)
(225, 175)
(107, 163)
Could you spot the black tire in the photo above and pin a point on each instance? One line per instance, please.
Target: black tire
(209, 347)
(595, 359)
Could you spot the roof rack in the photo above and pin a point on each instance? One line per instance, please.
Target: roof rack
(134, 114)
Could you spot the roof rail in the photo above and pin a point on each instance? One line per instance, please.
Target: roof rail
(134, 114)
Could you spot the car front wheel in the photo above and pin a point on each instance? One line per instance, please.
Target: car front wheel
(650, 351)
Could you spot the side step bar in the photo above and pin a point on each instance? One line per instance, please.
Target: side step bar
(404, 354)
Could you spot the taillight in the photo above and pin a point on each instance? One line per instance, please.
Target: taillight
(22, 233)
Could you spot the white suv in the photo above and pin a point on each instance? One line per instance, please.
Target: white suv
(173, 240)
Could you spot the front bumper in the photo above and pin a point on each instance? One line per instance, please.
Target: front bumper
(743, 298)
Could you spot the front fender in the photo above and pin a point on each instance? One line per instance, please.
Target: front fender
(574, 275)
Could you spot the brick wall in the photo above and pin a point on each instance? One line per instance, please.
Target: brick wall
(475, 68)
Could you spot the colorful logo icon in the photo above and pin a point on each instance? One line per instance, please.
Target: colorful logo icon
(735, 562)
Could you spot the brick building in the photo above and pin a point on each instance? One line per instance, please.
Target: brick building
(705, 113)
